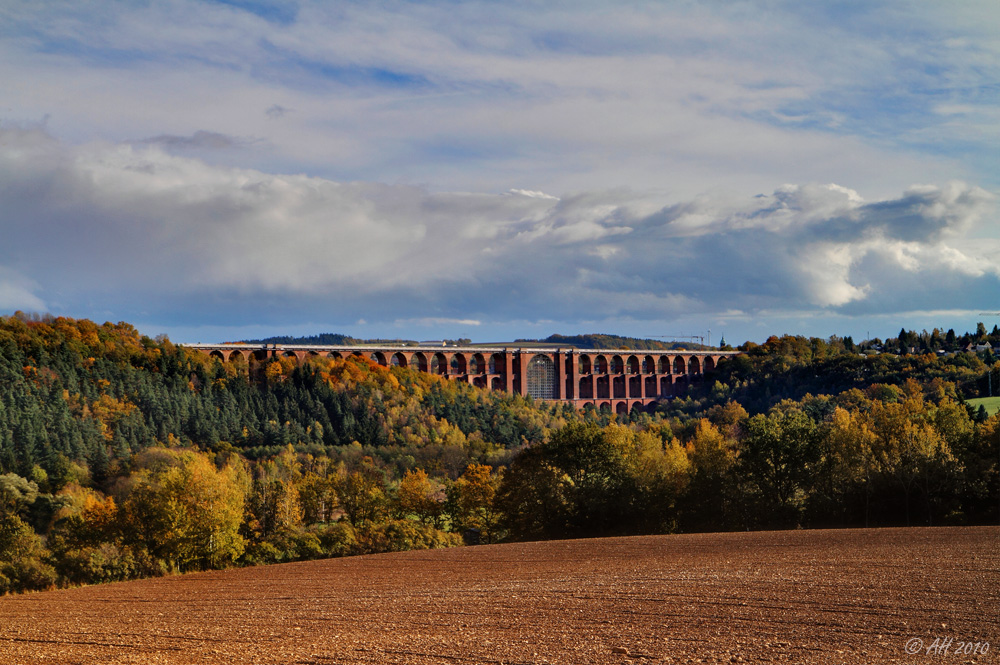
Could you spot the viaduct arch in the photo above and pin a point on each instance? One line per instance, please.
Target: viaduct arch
(619, 380)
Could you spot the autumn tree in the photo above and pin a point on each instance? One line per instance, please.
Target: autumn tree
(600, 466)
(534, 497)
(472, 502)
(662, 471)
(984, 469)
(318, 495)
(849, 469)
(712, 495)
(89, 542)
(362, 493)
(183, 510)
(778, 455)
(274, 503)
(22, 565)
(910, 451)
(589, 480)
(419, 495)
(16, 494)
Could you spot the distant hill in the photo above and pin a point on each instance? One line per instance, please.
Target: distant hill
(601, 341)
(591, 341)
(324, 339)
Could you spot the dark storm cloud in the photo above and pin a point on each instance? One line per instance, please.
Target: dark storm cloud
(276, 111)
(200, 140)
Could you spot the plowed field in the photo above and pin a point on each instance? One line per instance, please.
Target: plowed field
(857, 596)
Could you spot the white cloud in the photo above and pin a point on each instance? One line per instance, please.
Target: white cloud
(17, 292)
(826, 268)
(533, 194)
(435, 321)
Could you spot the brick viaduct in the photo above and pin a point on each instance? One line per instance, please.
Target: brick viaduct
(618, 380)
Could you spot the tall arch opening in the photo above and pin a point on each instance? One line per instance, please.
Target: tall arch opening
(542, 377)
(398, 360)
(439, 365)
(419, 362)
(601, 365)
(478, 364)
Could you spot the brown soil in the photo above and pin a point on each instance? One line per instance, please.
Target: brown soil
(853, 596)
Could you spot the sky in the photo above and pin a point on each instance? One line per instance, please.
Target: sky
(223, 170)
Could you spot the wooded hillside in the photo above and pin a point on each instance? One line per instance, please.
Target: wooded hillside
(122, 456)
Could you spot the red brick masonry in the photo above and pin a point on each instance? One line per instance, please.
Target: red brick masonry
(620, 380)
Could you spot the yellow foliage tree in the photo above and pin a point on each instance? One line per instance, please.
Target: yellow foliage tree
(419, 495)
(473, 501)
(184, 510)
